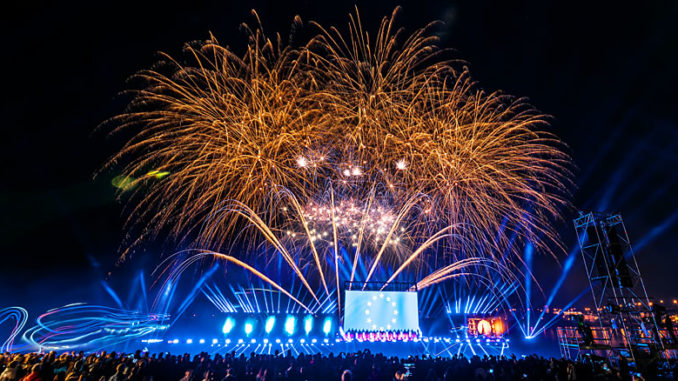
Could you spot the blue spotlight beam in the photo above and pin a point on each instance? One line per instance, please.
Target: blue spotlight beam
(113, 294)
(529, 251)
(191, 296)
(554, 319)
(142, 284)
(569, 263)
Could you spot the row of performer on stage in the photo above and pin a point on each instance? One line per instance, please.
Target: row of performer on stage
(398, 335)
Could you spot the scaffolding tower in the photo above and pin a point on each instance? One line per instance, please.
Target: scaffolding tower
(621, 303)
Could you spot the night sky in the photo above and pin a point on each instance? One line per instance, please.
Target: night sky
(606, 72)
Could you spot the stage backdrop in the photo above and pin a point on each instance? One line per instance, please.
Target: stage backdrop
(381, 311)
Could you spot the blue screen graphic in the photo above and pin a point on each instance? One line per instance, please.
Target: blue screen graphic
(381, 311)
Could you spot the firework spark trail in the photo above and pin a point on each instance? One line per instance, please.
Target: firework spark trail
(304, 223)
(234, 127)
(179, 265)
(478, 262)
(361, 231)
(448, 272)
(243, 211)
(427, 244)
(387, 119)
(335, 247)
(439, 275)
(183, 265)
(395, 224)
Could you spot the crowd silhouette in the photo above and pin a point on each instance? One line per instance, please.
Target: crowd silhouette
(361, 365)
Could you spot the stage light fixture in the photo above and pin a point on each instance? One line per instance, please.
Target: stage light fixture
(228, 325)
(214, 341)
(308, 324)
(248, 328)
(202, 341)
(270, 323)
(327, 325)
(290, 323)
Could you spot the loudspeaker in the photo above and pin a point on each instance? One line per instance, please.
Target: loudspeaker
(592, 238)
(616, 258)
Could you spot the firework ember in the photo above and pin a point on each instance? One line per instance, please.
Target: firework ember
(382, 144)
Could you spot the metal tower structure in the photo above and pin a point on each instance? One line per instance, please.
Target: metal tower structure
(617, 287)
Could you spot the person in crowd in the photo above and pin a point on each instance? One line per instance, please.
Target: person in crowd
(284, 366)
(346, 375)
(11, 372)
(119, 374)
(34, 375)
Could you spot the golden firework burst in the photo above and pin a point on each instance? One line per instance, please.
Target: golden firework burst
(345, 114)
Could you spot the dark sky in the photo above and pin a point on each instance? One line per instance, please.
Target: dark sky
(605, 71)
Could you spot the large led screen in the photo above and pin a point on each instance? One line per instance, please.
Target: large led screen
(381, 311)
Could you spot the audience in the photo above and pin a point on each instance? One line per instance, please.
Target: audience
(362, 365)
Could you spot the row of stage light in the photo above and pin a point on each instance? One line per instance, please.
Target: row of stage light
(326, 341)
(279, 325)
(214, 342)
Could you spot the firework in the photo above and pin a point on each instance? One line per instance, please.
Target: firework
(376, 144)
(320, 257)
